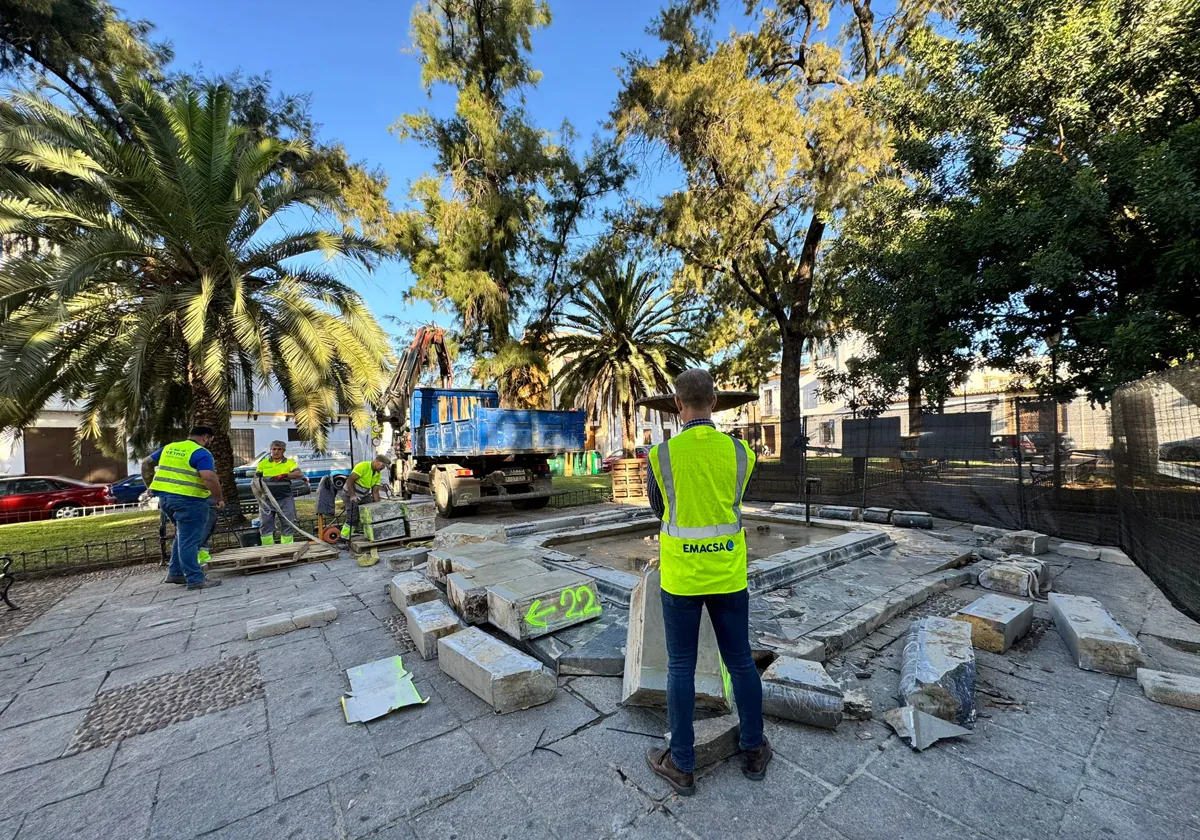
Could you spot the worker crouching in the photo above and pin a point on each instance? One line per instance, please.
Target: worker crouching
(365, 477)
(277, 471)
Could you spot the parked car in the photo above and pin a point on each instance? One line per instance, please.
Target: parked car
(611, 458)
(28, 497)
(335, 461)
(1043, 442)
(129, 490)
(1004, 447)
(1180, 450)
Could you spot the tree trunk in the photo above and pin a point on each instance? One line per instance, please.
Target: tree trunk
(627, 426)
(914, 397)
(789, 398)
(206, 413)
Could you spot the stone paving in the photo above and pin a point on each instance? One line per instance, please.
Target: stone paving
(266, 753)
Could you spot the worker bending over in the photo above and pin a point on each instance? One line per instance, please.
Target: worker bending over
(696, 483)
(185, 480)
(277, 471)
(366, 475)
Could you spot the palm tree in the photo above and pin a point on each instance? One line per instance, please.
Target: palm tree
(621, 342)
(169, 266)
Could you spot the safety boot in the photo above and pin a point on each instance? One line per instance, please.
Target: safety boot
(268, 540)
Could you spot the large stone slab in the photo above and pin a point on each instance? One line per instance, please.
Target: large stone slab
(877, 515)
(1171, 689)
(937, 669)
(843, 512)
(504, 678)
(465, 558)
(269, 625)
(408, 588)
(467, 591)
(1096, 640)
(800, 690)
(912, 519)
(997, 622)
(1023, 542)
(645, 678)
(1025, 577)
(528, 607)
(383, 520)
(428, 622)
(988, 532)
(716, 739)
(1079, 550)
(462, 533)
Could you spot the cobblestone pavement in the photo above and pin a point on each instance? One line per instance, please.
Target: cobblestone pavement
(193, 731)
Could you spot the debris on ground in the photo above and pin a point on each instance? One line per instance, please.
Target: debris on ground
(800, 690)
(922, 730)
(937, 672)
(378, 688)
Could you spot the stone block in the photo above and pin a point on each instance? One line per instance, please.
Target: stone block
(317, 616)
(843, 512)
(856, 704)
(802, 648)
(420, 507)
(988, 553)
(997, 622)
(1023, 542)
(912, 519)
(937, 669)
(404, 559)
(877, 515)
(271, 625)
(467, 591)
(1096, 640)
(716, 739)
(428, 622)
(1179, 690)
(420, 529)
(1108, 554)
(388, 510)
(645, 678)
(533, 606)
(504, 678)
(800, 690)
(1079, 550)
(1022, 576)
(461, 533)
(988, 532)
(383, 521)
(603, 655)
(446, 561)
(408, 588)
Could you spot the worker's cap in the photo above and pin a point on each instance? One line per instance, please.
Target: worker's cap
(386, 460)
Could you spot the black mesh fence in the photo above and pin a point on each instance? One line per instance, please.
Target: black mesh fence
(1126, 475)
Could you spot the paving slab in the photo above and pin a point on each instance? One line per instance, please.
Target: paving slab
(467, 592)
(114, 811)
(528, 607)
(465, 558)
(868, 810)
(1099, 814)
(316, 749)
(49, 701)
(508, 737)
(413, 724)
(428, 622)
(494, 803)
(1079, 551)
(996, 622)
(1096, 640)
(501, 676)
(306, 816)
(38, 741)
(1170, 689)
(715, 739)
(182, 741)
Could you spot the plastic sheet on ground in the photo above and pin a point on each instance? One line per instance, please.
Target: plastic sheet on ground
(378, 688)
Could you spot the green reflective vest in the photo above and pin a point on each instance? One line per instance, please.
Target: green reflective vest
(175, 475)
(702, 474)
(270, 469)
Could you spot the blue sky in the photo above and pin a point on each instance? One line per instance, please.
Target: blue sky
(350, 56)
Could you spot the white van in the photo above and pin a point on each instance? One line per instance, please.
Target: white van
(335, 461)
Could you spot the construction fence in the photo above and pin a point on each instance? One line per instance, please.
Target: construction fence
(1126, 474)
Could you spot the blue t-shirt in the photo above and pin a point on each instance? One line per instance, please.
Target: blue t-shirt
(201, 459)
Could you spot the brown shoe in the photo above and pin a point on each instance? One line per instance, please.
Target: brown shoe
(660, 762)
(755, 765)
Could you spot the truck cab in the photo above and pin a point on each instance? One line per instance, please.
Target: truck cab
(464, 449)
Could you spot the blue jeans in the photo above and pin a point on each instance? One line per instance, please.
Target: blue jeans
(730, 615)
(191, 519)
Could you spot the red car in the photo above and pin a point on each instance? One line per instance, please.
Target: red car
(607, 464)
(27, 497)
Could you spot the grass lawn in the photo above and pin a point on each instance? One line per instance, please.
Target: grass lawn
(582, 482)
(56, 533)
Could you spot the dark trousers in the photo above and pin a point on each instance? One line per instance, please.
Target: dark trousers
(730, 615)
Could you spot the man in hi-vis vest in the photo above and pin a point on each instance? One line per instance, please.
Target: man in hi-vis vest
(184, 480)
(695, 486)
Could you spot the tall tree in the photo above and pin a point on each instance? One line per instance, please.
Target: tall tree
(173, 273)
(488, 235)
(621, 340)
(771, 129)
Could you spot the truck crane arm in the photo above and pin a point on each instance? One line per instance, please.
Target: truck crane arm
(396, 399)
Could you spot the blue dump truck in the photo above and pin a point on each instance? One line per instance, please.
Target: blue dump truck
(464, 449)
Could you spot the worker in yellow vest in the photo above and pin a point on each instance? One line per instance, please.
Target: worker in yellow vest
(695, 485)
(185, 481)
(277, 471)
(366, 475)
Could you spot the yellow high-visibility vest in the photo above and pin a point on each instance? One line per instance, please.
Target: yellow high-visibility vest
(702, 474)
(174, 473)
(270, 468)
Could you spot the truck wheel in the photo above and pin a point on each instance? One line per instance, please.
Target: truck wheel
(531, 504)
(442, 495)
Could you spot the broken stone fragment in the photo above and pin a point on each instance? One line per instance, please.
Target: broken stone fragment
(988, 532)
(800, 690)
(921, 730)
(1170, 689)
(1023, 542)
(856, 705)
(504, 678)
(1096, 640)
(1022, 576)
(996, 622)
(271, 625)
(716, 739)
(317, 616)
(937, 671)
(1083, 552)
(988, 553)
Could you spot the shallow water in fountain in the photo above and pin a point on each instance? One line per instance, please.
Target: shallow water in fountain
(629, 552)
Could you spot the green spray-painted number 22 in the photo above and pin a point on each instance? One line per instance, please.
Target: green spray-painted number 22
(579, 595)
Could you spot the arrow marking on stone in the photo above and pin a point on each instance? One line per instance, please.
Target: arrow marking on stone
(534, 618)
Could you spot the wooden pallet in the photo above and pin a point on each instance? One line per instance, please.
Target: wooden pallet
(361, 545)
(261, 558)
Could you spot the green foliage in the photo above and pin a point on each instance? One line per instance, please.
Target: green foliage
(488, 234)
(620, 340)
(167, 279)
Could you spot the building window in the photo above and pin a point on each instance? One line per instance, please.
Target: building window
(811, 398)
(647, 439)
(769, 401)
(826, 432)
(666, 433)
(293, 435)
(243, 446)
(239, 393)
